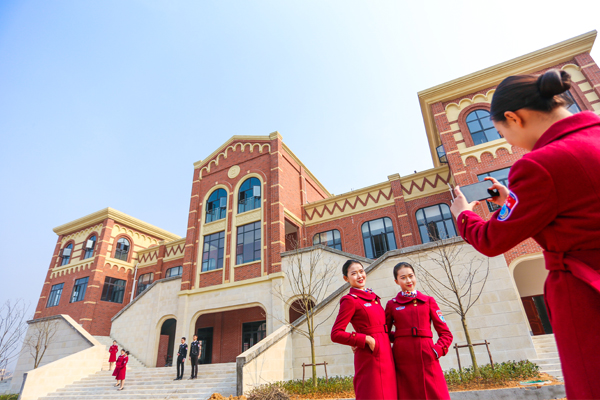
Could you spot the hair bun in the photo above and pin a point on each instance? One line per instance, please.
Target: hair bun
(553, 82)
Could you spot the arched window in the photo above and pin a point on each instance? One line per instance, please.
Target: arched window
(175, 271)
(330, 238)
(249, 197)
(89, 247)
(573, 108)
(378, 236)
(216, 206)
(481, 128)
(66, 254)
(298, 309)
(435, 223)
(122, 251)
(143, 282)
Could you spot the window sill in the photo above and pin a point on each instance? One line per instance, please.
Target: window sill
(212, 270)
(248, 263)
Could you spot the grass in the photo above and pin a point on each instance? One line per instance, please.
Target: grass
(9, 396)
(503, 374)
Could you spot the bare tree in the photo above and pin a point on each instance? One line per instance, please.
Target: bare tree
(308, 279)
(41, 337)
(460, 283)
(12, 329)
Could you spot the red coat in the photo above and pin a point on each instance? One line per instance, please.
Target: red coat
(113, 353)
(121, 368)
(374, 376)
(556, 200)
(418, 371)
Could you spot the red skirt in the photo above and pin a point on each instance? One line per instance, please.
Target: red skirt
(119, 373)
(112, 358)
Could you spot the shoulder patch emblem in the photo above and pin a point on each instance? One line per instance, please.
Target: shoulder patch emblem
(367, 304)
(400, 308)
(508, 207)
(440, 316)
(353, 295)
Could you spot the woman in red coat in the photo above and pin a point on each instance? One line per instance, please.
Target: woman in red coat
(374, 376)
(554, 197)
(418, 371)
(121, 368)
(113, 354)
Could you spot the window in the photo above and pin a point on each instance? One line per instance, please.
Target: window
(143, 282)
(378, 237)
(330, 239)
(481, 127)
(502, 176)
(441, 153)
(122, 251)
(216, 206)
(252, 333)
(55, 293)
(175, 271)
(435, 223)
(248, 243)
(113, 290)
(249, 197)
(79, 289)
(66, 254)
(89, 247)
(212, 253)
(573, 108)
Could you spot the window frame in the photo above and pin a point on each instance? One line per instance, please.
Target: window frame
(451, 219)
(223, 209)
(108, 289)
(52, 296)
(84, 252)
(141, 286)
(117, 239)
(251, 187)
(483, 129)
(220, 259)
(251, 331)
(384, 233)
(462, 122)
(77, 285)
(167, 272)
(70, 245)
(334, 239)
(238, 244)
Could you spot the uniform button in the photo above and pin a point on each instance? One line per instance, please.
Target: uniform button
(376, 303)
(415, 305)
(414, 301)
(463, 220)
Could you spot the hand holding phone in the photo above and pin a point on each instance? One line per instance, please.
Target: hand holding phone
(479, 191)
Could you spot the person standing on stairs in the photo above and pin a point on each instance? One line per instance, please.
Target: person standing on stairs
(181, 356)
(194, 353)
(121, 368)
(113, 350)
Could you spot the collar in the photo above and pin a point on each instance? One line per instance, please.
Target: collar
(566, 126)
(363, 294)
(403, 299)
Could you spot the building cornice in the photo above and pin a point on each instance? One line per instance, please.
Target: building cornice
(118, 217)
(528, 63)
(232, 139)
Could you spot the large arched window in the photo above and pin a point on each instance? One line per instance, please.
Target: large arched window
(481, 128)
(249, 197)
(378, 236)
(122, 251)
(89, 247)
(435, 223)
(216, 206)
(66, 254)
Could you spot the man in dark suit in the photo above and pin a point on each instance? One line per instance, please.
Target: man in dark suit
(181, 356)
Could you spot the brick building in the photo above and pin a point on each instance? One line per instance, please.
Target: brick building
(253, 199)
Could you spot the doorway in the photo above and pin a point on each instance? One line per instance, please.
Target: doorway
(166, 343)
(529, 276)
(252, 333)
(205, 337)
(537, 314)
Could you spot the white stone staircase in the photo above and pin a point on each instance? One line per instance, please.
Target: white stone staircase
(547, 352)
(108, 341)
(153, 383)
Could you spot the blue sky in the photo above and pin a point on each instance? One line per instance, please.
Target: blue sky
(109, 103)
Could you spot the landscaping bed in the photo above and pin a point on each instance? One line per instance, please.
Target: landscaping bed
(504, 375)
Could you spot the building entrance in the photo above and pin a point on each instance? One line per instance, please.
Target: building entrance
(205, 337)
(530, 276)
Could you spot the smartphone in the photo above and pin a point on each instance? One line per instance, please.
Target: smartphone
(479, 191)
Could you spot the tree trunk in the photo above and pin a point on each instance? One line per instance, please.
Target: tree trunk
(313, 361)
(471, 349)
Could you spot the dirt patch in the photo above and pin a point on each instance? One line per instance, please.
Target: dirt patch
(219, 396)
(509, 384)
(338, 395)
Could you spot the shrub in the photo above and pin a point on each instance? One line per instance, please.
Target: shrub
(268, 392)
(501, 374)
(9, 396)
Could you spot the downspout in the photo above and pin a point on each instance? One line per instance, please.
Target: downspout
(134, 281)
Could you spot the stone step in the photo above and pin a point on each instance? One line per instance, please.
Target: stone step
(125, 395)
(185, 383)
(137, 390)
(547, 355)
(133, 376)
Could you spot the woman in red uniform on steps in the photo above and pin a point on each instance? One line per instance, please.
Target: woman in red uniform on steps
(554, 197)
(113, 354)
(121, 368)
(374, 376)
(418, 371)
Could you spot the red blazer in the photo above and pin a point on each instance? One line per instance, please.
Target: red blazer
(555, 195)
(401, 312)
(121, 367)
(113, 353)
